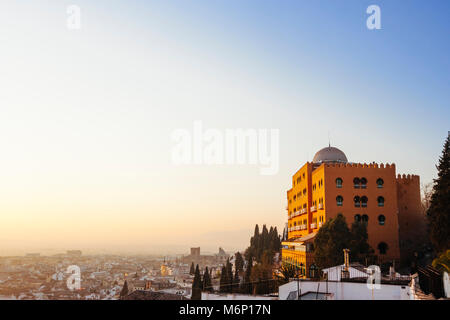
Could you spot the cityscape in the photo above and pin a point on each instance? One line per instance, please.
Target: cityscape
(390, 216)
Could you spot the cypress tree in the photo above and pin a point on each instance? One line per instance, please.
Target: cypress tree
(197, 285)
(124, 291)
(439, 211)
(247, 286)
(229, 276)
(236, 281)
(224, 280)
(239, 262)
(207, 285)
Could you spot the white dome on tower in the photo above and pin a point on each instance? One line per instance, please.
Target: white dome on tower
(330, 154)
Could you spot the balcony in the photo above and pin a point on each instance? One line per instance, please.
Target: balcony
(320, 206)
(303, 210)
(313, 209)
(320, 224)
(313, 225)
(303, 227)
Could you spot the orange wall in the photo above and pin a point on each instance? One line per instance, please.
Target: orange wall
(388, 232)
(411, 217)
(312, 174)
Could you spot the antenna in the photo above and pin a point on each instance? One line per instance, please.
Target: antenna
(329, 143)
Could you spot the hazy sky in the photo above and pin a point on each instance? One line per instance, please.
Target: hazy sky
(86, 115)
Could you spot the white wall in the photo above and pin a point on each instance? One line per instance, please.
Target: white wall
(349, 290)
(212, 296)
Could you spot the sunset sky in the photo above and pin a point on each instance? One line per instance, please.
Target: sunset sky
(86, 115)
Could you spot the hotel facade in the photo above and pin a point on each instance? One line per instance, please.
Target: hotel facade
(373, 194)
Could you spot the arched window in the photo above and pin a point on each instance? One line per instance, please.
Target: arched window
(365, 218)
(357, 201)
(339, 183)
(380, 183)
(356, 183)
(364, 201)
(363, 183)
(339, 200)
(381, 219)
(295, 223)
(382, 247)
(380, 201)
(357, 217)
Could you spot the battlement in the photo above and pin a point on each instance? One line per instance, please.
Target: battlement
(361, 165)
(407, 178)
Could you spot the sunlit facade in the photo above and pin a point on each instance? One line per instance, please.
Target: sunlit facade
(368, 193)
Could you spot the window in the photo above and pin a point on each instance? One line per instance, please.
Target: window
(357, 201)
(363, 183)
(339, 183)
(364, 201)
(380, 201)
(381, 219)
(380, 183)
(304, 191)
(295, 223)
(357, 218)
(339, 200)
(382, 247)
(365, 218)
(356, 183)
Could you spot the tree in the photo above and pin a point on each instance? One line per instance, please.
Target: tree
(287, 272)
(439, 211)
(124, 291)
(224, 282)
(261, 276)
(443, 262)
(331, 239)
(197, 285)
(192, 270)
(236, 282)
(335, 236)
(207, 284)
(229, 267)
(239, 264)
(360, 249)
(267, 240)
(247, 285)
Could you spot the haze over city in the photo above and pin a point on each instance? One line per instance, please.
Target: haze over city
(86, 115)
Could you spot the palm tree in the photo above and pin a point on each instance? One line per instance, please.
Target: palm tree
(443, 262)
(287, 272)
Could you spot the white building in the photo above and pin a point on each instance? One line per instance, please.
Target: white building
(336, 290)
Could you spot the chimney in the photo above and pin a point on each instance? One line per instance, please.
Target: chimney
(346, 260)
